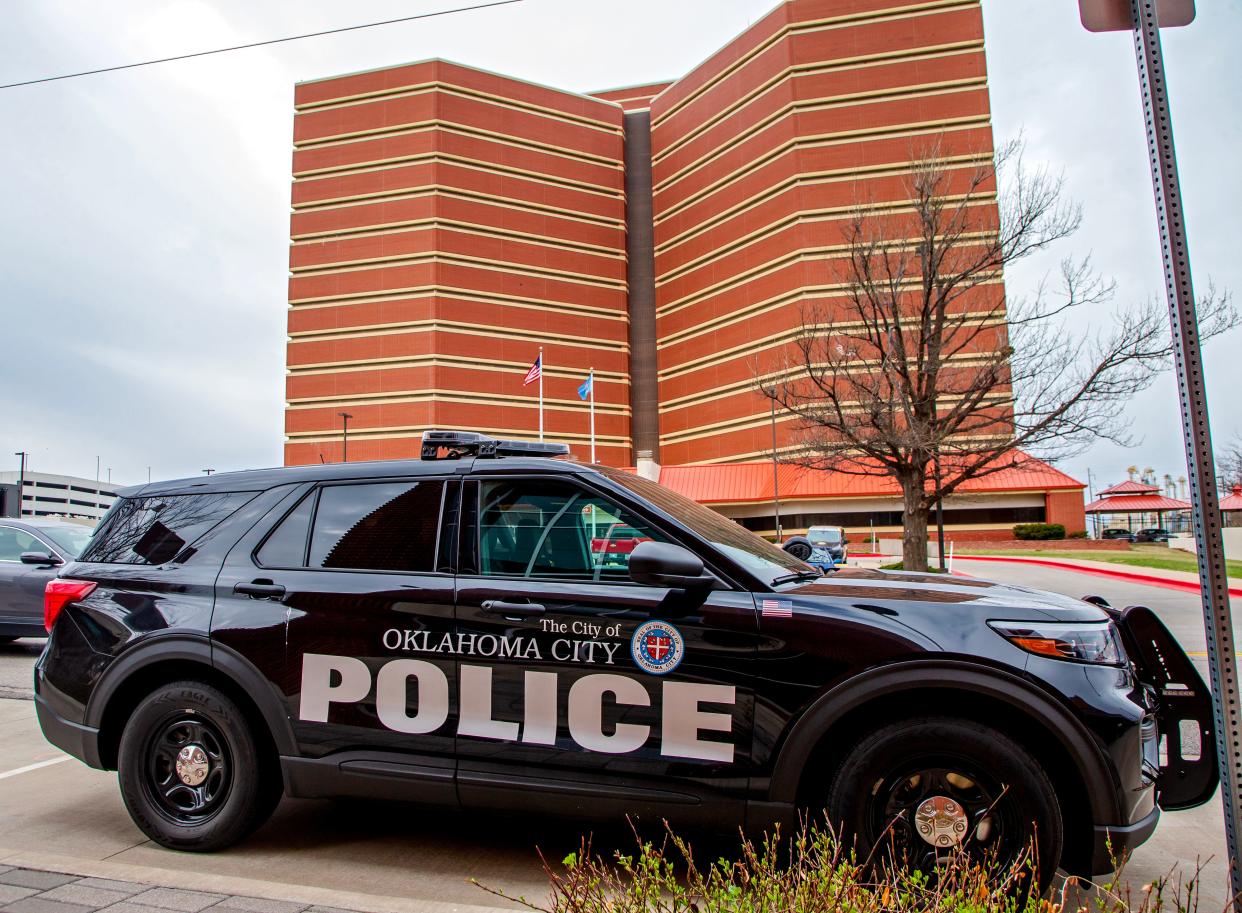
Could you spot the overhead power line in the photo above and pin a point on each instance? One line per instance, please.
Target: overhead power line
(259, 44)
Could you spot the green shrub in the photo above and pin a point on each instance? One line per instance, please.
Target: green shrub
(813, 873)
(1080, 534)
(1039, 531)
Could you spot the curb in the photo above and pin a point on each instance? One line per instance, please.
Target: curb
(1132, 576)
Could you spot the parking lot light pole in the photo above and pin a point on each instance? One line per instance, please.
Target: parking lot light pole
(776, 488)
(21, 482)
(345, 417)
(1145, 20)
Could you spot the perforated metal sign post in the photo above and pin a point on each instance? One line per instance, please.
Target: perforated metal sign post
(1103, 15)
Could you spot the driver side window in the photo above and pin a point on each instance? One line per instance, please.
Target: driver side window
(543, 528)
(15, 541)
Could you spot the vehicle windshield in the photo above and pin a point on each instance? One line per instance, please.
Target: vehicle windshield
(829, 534)
(70, 539)
(757, 555)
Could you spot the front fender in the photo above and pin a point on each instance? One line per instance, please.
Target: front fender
(805, 733)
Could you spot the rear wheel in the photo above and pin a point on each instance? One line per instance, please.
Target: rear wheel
(192, 773)
(923, 790)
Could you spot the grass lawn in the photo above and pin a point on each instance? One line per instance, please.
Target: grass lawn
(1154, 556)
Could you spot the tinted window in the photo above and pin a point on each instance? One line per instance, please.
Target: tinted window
(388, 526)
(154, 530)
(760, 556)
(541, 528)
(286, 546)
(15, 541)
(71, 539)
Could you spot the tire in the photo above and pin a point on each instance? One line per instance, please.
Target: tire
(798, 546)
(1007, 797)
(238, 785)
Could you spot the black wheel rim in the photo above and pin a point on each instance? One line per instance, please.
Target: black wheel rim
(199, 790)
(799, 550)
(993, 831)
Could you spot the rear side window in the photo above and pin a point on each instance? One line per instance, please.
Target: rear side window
(286, 546)
(384, 526)
(154, 530)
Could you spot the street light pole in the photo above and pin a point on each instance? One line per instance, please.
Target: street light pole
(21, 482)
(776, 488)
(939, 514)
(345, 417)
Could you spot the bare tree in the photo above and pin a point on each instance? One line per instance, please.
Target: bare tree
(1229, 464)
(923, 360)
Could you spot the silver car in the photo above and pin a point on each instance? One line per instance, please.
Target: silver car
(31, 552)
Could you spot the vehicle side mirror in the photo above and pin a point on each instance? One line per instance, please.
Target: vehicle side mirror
(46, 559)
(665, 564)
(845, 541)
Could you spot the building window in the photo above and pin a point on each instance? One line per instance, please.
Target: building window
(996, 516)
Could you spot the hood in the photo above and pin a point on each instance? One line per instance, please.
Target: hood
(907, 594)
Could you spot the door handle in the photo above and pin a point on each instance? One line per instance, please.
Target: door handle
(260, 589)
(517, 609)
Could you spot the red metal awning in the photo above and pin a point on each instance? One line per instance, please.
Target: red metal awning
(1233, 501)
(751, 482)
(1130, 488)
(1135, 504)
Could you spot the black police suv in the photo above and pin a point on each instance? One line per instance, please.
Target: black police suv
(469, 630)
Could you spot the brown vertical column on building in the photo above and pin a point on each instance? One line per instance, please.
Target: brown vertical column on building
(640, 279)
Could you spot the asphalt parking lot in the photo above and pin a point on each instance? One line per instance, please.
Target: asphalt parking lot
(389, 857)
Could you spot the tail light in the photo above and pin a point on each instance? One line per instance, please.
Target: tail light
(58, 594)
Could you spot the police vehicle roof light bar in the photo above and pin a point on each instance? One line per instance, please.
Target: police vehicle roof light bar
(454, 445)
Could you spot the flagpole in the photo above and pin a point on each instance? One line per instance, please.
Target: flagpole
(591, 378)
(541, 393)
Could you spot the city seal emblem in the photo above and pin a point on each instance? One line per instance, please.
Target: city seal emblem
(657, 647)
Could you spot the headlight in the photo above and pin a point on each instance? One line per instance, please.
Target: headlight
(1083, 642)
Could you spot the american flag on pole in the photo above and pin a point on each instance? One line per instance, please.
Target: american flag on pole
(775, 608)
(535, 372)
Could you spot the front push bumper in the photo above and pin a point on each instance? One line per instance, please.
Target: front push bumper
(1113, 844)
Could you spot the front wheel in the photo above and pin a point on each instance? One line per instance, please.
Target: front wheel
(192, 773)
(933, 787)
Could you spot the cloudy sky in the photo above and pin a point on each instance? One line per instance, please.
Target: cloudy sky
(144, 221)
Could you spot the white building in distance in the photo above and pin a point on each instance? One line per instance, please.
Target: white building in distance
(48, 495)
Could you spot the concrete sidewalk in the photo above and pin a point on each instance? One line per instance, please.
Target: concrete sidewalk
(35, 891)
(31, 890)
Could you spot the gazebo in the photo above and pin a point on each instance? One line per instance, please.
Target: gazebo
(1231, 507)
(1130, 499)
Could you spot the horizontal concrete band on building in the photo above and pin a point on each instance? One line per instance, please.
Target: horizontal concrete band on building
(449, 223)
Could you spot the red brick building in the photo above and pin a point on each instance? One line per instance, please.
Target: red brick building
(448, 222)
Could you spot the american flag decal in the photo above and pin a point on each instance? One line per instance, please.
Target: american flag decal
(775, 608)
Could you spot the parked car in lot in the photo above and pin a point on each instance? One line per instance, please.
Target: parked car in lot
(1153, 534)
(455, 631)
(1117, 532)
(823, 547)
(31, 552)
